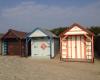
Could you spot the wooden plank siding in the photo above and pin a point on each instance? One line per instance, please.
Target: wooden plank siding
(77, 44)
(1, 43)
(13, 47)
(44, 44)
(15, 42)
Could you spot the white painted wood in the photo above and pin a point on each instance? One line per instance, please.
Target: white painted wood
(38, 33)
(88, 49)
(64, 44)
(69, 47)
(37, 51)
(79, 51)
(52, 48)
(82, 46)
(73, 47)
(75, 30)
(64, 51)
(78, 47)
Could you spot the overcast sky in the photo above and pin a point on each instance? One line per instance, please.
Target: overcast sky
(26, 15)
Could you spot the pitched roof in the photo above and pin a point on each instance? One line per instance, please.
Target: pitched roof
(78, 25)
(19, 34)
(1, 35)
(45, 31)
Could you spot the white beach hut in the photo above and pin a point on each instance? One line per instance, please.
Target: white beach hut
(44, 44)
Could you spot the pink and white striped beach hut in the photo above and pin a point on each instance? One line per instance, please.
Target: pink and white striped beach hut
(77, 44)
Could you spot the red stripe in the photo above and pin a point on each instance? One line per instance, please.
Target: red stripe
(88, 52)
(76, 47)
(80, 48)
(60, 48)
(84, 47)
(92, 49)
(67, 50)
(71, 46)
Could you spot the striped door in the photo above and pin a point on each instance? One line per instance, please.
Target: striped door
(76, 47)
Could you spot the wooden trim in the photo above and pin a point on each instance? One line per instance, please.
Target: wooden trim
(76, 47)
(67, 50)
(50, 47)
(80, 48)
(85, 48)
(20, 48)
(88, 52)
(1, 46)
(64, 37)
(26, 47)
(71, 46)
(76, 31)
(60, 49)
(92, 49)
(78, 25)
(88, 37)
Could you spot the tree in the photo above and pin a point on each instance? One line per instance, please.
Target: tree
(58, 30)
(95, 29)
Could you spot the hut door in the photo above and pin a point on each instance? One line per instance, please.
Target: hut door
(35, 48)
(73, 47)
(76, 46)
(45, 47)
(13, 48)
(40, 47)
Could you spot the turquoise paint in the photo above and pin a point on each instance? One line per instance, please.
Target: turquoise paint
(5, 47)
(2, 48)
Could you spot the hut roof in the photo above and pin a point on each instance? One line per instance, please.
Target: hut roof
(78, 25)
(1, 35)
(18, 34)
(47, 32)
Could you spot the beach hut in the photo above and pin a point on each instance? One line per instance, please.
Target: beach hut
(44, 44)
(97, 45)
(14, 43)
(76, 44)
(1, 43)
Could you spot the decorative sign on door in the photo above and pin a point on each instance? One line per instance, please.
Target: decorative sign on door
(43, 45)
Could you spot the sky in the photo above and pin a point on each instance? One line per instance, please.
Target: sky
(25, 15)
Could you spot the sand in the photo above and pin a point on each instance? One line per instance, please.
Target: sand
(18, 68)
